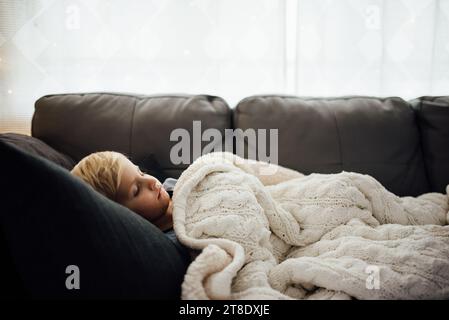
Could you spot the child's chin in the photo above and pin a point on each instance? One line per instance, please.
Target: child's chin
(164, 195)
(163, 200)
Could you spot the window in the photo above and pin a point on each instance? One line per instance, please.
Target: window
(228, 48)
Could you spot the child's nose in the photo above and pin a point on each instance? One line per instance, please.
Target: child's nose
(152, 183)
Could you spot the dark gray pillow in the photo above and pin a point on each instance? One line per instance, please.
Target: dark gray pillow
(51, 219)
(39, 148)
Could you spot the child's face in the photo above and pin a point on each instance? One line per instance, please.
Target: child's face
(142, 193)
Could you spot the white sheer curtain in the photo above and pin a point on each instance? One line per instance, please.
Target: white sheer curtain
(229, 48)
(373, 47)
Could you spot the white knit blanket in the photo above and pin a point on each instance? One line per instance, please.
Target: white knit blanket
(321, 236)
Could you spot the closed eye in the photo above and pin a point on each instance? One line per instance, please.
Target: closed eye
(136, 190)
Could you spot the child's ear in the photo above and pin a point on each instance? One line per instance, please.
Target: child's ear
(151, 166)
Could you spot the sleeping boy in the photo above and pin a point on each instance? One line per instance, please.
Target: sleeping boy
(116, 177)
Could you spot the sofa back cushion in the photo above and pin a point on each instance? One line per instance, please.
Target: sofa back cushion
(136, 125)
(51, 220)
(374, 136)
(433, 117)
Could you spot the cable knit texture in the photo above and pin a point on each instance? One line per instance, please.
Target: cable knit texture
(268, 234)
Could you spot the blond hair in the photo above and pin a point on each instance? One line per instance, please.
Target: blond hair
(102, 171)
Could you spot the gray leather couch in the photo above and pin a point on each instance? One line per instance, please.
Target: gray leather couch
(405, 145)
(50, 219)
